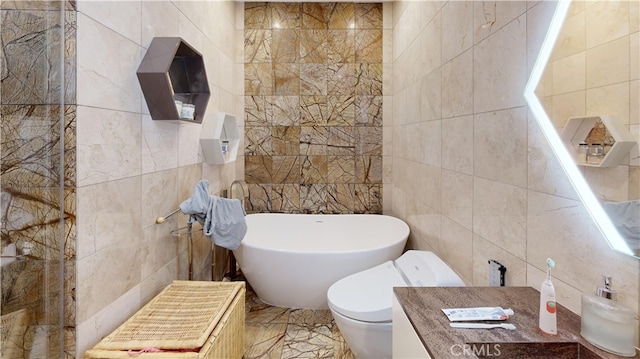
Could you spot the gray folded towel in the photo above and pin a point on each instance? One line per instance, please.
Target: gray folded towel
(222, 219)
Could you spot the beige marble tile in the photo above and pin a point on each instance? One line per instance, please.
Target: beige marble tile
(580, 240)
(258, 141)
(457, 197)
(431, 96)
(258, 46)
(106, 83)
(612, 100)
(258, 110)
(606, 21)
(500, 146)
(285, 46)
(313, 79)
(368, 169)
(500, 215)
(457, 86)
(569, 74)
(545, 174)
(159, 145)
(108, 145)
(456, 248)
(286, 79)
(342, 16)
(313, 45)
(483, 251)
(499, 67)
(611, 184)
(490, 16)
(457, 150)
(457, 29)
(258, 79)
(430, 141)
(608, 63)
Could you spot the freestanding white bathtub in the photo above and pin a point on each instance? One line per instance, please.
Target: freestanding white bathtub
(291, 260)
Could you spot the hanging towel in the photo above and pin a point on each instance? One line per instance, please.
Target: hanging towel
(222, 219)
(225, 224)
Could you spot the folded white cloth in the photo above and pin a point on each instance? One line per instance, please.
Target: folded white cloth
(222, 219)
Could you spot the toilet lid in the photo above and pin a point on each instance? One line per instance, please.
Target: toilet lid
(366, 295)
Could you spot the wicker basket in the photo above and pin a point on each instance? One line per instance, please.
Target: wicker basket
(206, 318)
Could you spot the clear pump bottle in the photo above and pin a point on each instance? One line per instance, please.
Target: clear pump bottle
(606, 323)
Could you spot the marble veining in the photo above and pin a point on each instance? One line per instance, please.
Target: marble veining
(283, 333)
(313, 107)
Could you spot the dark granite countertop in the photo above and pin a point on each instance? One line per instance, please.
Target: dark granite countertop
(423, 305)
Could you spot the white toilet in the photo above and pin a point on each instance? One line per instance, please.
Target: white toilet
(361, 303)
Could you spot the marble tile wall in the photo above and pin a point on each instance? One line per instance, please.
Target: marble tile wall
(313, 78)
(132, 169)
(472, 173)
(38, 160)
(594, 70)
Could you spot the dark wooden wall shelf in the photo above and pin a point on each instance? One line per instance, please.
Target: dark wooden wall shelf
(170, 71)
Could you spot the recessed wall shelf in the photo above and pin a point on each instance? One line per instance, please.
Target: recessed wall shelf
(577, 129)
(172, 71)
(219, 138)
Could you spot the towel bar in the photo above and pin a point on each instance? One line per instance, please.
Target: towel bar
(160, 220)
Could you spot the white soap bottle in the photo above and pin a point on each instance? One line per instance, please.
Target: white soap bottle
(548, 321)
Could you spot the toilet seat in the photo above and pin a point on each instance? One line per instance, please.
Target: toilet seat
(366, 296)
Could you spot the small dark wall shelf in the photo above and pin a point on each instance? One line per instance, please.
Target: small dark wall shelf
(170, 71)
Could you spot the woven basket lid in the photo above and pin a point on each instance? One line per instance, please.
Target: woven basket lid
(182, 316)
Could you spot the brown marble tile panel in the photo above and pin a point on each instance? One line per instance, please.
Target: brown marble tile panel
(313, 46)
(286, 46)
(368, 198)
(258, 79)
(341, 141)
(286, 110)
(368, 44)
(313, 169)
(313, 198)
(36, 4)
(286, 79)
(285, 15)
(257, 15)
(369, 79)
(286, 169)
(257, 169)
(341, 79)
(310, 318)
(286, 140)
(313, 140)
(308, 342)
(368, 15)
(369, 140)
(29, 145)
(368, 111)
(258, 111)
(368, 169)
(341, 169)
(340, 198)
(285, 198)
(316, 15)
(31, 41)
(257, 141)
(313, 110)
(313, 79)
(341, 46)
(257, 46)
(264, 340)
(342, 16)
(259, 200)
(341, 110)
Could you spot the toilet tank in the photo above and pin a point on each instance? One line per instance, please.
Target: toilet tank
(425, 269)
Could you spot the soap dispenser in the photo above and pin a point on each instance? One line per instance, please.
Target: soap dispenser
(607, 324)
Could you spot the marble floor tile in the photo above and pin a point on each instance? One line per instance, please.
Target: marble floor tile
(283, 333)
